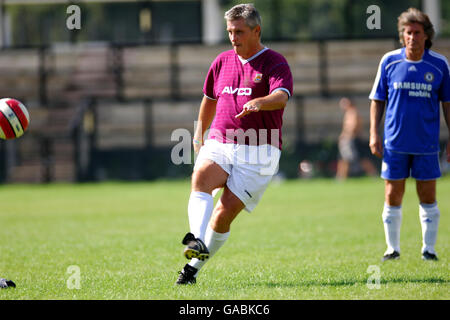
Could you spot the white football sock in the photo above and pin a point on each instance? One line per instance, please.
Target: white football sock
(429, 219)
(392, 220)
(214, 241)
(200, 208)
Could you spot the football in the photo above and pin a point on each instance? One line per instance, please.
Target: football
(14, 118)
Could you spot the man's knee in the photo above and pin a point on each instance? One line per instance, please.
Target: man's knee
(394, 191)
(427, 198)
(198, 183)
(208, 177)
(426, 191)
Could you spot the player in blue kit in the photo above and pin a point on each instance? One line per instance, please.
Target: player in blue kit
(410, 84)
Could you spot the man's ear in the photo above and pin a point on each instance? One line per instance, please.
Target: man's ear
(258, 30)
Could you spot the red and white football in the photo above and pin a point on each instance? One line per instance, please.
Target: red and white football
(14, 118)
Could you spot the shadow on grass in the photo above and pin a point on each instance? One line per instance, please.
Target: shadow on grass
(339, 283)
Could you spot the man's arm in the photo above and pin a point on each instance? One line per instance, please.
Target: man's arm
(205, 118)
(446, 110)
(376, 114)
(274, 101)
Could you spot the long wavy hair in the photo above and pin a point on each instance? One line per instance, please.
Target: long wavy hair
(413, 15)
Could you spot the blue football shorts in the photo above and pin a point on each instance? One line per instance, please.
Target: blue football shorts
(398, 166)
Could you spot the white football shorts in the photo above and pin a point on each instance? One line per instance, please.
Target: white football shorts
(249, 168)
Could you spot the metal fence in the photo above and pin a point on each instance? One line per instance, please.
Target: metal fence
(105, 111)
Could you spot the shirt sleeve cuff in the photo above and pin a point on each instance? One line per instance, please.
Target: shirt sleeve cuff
(282, 89)
(209, 97)
(376, 97)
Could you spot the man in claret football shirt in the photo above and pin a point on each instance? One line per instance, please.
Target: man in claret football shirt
(411, 82)
(245, 92)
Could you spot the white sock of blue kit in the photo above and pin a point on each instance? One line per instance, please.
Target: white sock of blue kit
(429, 219)
(214, 241)
(392, 220)
(200, 208)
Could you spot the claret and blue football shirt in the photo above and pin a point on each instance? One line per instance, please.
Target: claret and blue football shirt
(233, 81)
(413, 90)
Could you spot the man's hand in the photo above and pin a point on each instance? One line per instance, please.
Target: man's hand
(251, 106)
(376, 147)
(274, 101)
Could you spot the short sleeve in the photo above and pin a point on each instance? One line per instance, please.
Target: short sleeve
(379, 89)
(208, 87)
(280, 78)
(444, 90)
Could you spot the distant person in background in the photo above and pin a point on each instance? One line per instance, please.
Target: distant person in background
(410, 83)
(348, 142)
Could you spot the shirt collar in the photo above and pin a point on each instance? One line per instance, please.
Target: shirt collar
(244, 61)
(412, 61)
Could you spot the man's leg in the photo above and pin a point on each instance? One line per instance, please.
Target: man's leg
(205, 179)
(207, 176)
(226, 210)
(342, 169)
(392, 216)
(429, 216)
(394, 191)
(426, 191)
(368, 167)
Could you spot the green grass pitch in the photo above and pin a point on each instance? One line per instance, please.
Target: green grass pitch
(306, 240)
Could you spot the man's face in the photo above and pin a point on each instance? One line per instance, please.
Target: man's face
(242, 37)
(414, 37)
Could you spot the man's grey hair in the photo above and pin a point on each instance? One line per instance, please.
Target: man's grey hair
(246, 11)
